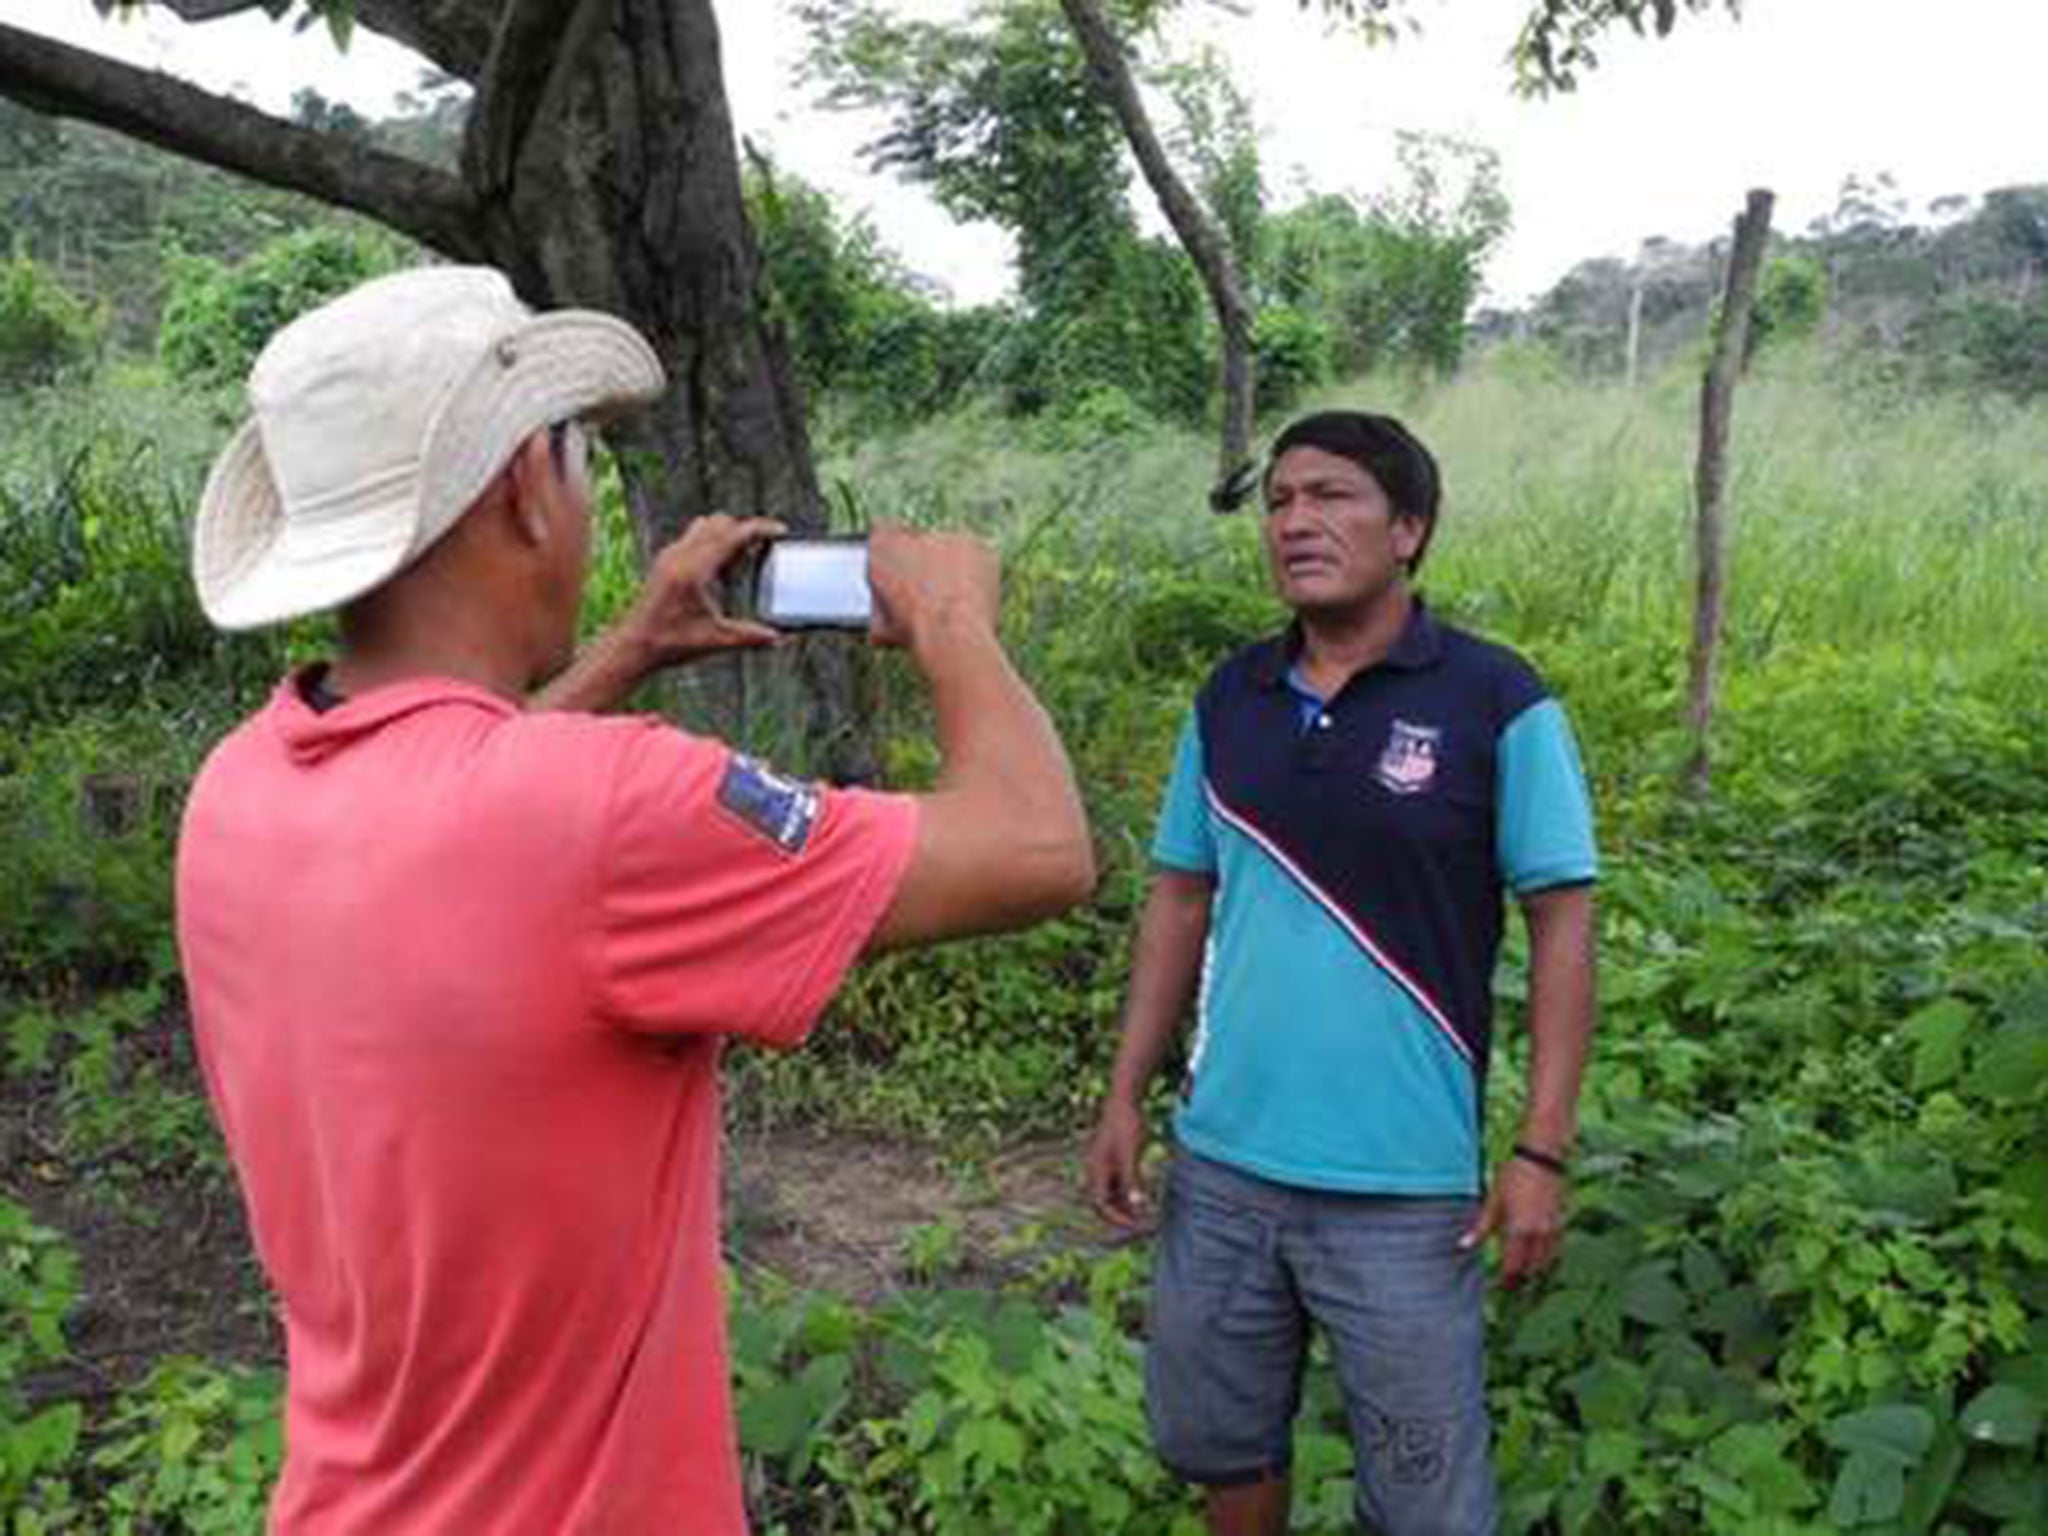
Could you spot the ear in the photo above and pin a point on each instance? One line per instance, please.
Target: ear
(528, 480)
(1408, 531)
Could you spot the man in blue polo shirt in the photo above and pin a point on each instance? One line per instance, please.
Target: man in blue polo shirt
(1352, 801)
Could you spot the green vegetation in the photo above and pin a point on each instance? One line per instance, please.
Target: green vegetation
(217, 318)
(45, 332)
(1808, 1285)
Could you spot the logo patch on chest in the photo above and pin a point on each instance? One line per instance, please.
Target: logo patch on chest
(1407, 763)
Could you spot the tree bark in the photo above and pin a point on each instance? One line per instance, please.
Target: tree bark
(1197, 232)
(1632, 365)
(1717, 403)
(627, 194)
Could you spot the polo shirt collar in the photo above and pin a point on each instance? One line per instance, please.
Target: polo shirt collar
(1419, 645)
(310, 735)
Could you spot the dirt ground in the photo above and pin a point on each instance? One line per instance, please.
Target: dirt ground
(842, 1213)
(165, 1265)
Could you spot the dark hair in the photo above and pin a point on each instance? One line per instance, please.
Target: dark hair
(558, 445)
(1385, 449)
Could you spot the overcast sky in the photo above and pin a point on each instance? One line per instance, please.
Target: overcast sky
(1663, 139)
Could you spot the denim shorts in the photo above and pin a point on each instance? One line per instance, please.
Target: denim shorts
(1244, 1266)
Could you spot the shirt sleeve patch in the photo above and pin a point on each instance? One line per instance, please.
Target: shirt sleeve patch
(781, 810)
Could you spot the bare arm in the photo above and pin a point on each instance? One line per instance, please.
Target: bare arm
(676, 618)
(1560, 1013)
(1526, 1203)
(1166, 965)
(1002, 840)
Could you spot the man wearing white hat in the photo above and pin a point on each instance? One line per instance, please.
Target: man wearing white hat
(461, 956)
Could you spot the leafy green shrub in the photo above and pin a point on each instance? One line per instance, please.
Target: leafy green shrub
(1029, 1427)
(37, 1287)
(192, 1452)
(945, 1411)
(1791, 302)
(45, 332)
(863, 335)
(97, 607)
(217, 318)
(2007, 346)
(1180, 627)
(1293, 352)
(88, 813)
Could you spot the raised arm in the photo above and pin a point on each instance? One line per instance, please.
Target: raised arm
(675, 618)
(1002, 840)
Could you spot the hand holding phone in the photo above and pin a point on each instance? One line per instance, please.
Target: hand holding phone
(815, 584)
(677, 615)
(927, 583)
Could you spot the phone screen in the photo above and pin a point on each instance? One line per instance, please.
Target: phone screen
(816, 583)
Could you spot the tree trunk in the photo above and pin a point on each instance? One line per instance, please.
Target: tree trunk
(1197, 232)
(1717, 403)
(1633, 365)
(625, 195)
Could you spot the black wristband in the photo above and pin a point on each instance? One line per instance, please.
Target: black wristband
(1547, 1161)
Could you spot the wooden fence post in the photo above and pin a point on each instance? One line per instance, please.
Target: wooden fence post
(1710, 480)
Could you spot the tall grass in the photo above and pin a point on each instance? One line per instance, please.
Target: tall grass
(1872, 527)
(1856, 521)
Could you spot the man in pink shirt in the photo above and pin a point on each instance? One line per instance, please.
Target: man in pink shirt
(462, 956)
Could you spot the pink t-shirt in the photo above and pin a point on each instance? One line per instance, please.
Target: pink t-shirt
(459, 977)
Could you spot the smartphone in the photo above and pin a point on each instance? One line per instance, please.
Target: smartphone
(814, 584)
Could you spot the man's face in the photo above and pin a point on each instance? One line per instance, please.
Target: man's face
(1333, 540)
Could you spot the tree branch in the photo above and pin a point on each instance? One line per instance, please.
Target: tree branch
(1198, 234)
(430, 205)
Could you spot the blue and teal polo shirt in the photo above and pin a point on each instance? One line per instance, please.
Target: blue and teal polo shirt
(1361, 847)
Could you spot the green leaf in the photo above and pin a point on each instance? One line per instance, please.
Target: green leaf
(2002, 1415)
(2013, 1065)
(1906, 1191)
(2027, 1368)
(905, 1365)
(2027, 1182)
(1015, 1335)
(1596, 1257)
(778, 1421)
(1870, 1490)
(1551, 1328)
(829, 1327)
(1612, 1452)
(1611, 1393)
(1743, 1319)
(2007, 1489)
(1899, 1433)
(1650, 1295)
(1702, 1270)
(180, 1439)
(1754, 1455)
(1939, 1032)
(1933, 1480)
(774, 1420)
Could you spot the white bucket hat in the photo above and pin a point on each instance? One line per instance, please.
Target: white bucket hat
(377, 420)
